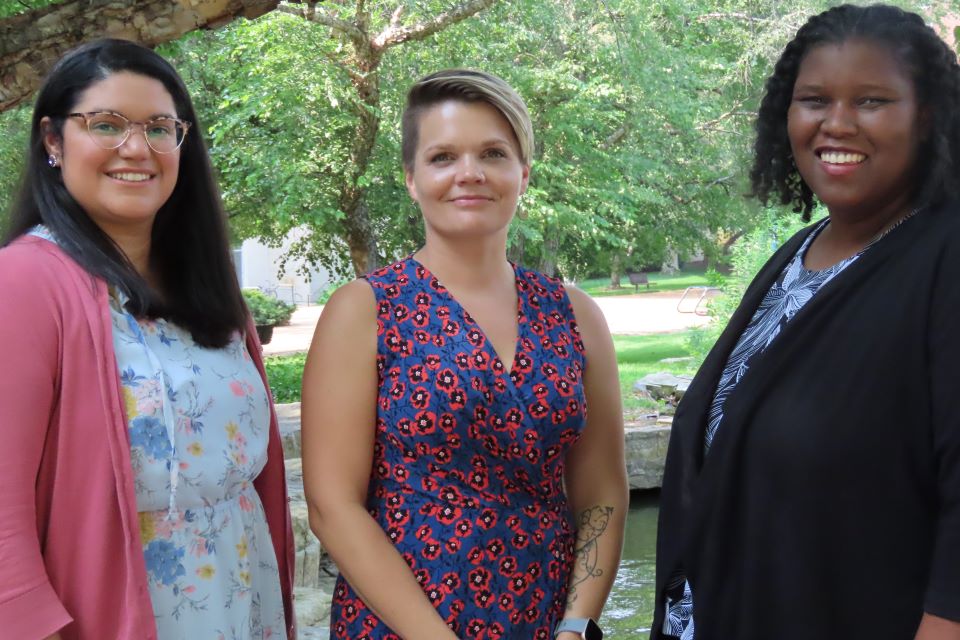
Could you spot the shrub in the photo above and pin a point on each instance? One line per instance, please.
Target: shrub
(285, 374)
(267, 310)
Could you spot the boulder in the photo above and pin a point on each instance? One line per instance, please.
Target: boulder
(664, 386)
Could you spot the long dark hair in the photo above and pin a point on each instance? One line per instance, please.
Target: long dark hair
(190, 251)
(924, 55)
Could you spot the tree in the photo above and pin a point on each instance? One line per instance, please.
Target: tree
(30, 42)
(310, 77)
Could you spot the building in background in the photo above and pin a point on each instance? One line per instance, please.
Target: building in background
(257, 267)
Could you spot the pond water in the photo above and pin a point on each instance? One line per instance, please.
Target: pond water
(629, 609)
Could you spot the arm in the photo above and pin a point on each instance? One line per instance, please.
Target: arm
(339, 419)
(596, 477)
(934, 628)
(29, 606)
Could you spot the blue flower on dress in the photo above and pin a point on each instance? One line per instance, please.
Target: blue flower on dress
(130, 378)
(163, 561)
(149, 434)
(164, 338)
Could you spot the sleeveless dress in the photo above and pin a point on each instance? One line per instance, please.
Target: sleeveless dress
(467, 476)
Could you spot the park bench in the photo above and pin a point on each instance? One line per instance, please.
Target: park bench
(637, 279)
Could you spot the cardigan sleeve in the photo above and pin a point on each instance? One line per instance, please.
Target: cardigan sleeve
(271, 485)
(943, 591)
(30, 339)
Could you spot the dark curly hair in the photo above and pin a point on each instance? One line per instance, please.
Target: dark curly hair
(923, 54)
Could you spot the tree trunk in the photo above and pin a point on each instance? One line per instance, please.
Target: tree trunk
(551, 247)
(515, 250)
(616, 271)
(360, 234)
(362, 65)
(31, 42)
(671, 264)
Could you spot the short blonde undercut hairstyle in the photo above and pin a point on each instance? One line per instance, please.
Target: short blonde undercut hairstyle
(466, 85)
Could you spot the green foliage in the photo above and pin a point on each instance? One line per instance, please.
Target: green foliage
(285, 375)
(267, 310)
(643, 113)
(14, 7)
(748, 256)
(637, 108)
(14, 138)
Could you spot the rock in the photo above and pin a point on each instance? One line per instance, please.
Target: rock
(288, 416)
(664, 386)
(307, 565)
(646, 449)
(309, 553)
(313, 608)
(313, 633)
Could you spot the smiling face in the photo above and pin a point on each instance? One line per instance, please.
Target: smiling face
(120, 189)
(467, 175)
(855, 129)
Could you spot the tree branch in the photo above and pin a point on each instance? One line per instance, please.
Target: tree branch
(731, 16)
(322, 17)
(31, 42)
(735, 110)
(395, 34)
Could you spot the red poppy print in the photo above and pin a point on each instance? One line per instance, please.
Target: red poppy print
(468, 458)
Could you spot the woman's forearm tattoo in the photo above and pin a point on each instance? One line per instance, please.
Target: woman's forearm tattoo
(591, 525)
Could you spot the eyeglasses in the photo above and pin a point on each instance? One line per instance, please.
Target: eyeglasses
(110, 130)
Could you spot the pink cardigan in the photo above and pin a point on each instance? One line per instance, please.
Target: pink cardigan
(71, 559)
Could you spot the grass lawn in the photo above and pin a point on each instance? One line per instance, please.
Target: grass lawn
(599, 287)
(639, 355)
(636, 357)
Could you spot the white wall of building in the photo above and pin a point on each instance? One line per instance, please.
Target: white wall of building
(258, 265)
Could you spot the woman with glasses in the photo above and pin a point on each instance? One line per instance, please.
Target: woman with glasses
(143, 481)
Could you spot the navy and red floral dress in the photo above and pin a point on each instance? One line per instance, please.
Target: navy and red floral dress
(468, 466)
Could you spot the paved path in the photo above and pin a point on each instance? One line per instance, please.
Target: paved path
(640, 314)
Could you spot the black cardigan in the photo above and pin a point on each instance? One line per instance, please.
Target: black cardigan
(829, 504)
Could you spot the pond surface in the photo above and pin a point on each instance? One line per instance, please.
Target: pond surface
(629, 609)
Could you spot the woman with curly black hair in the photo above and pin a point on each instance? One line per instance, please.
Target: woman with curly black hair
(812, 487)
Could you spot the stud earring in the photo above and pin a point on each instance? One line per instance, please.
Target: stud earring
(52, 160)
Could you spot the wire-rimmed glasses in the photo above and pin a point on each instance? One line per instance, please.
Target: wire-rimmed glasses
(110, 130)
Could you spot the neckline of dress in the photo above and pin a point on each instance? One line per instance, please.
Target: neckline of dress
(468, 317)
(880, 235)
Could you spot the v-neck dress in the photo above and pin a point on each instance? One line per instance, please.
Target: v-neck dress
(467, 475)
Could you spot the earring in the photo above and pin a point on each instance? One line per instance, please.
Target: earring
(52, 160)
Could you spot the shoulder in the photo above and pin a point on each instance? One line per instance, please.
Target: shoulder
(31, 252)
(30, 265)
(350, 304)
(587, 311)
(546, 292)
(396, 273)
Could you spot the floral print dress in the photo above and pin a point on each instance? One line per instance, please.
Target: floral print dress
(467, 477)
(199, 423)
